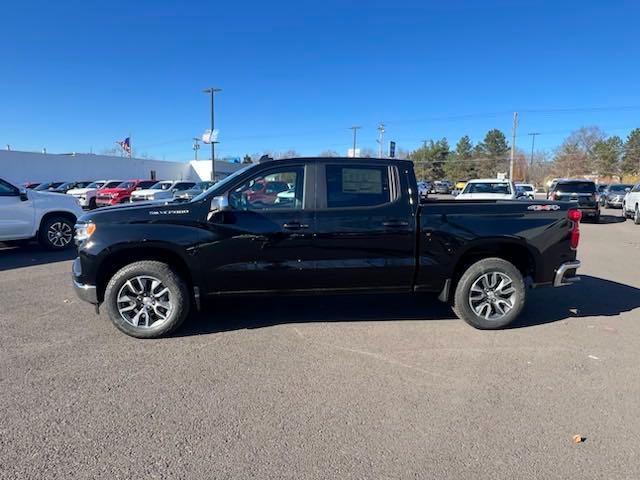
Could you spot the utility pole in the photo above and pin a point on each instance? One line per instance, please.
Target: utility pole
(355, 129)
(513, 145)
(533, 142)
(196, 147)
(212, 91)
(380, 139)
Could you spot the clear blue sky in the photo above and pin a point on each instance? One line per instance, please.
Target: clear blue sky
(80, 75)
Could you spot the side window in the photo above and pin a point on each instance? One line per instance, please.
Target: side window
(274, 189)
(637, 189)
(7, 190)
(357, 186)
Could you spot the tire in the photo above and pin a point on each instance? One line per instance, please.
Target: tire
(636, 215)
(490, 272)
(596, 219)
(125, 286)
(92, 204)
(56, 233)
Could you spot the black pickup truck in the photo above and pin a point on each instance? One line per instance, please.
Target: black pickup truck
(321, 225)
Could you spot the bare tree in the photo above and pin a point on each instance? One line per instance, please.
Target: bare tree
(329, 153)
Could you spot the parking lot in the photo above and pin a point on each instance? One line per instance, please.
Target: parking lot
(316, 387)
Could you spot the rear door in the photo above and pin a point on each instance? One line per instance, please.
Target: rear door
(365, 235)
(265, 244)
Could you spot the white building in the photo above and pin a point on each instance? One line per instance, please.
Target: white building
(20, 167)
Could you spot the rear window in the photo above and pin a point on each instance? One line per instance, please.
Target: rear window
(356, 186)
(576, 187)
(498, 187)
(619, 188)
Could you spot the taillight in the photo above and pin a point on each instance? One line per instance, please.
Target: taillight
(574, 215)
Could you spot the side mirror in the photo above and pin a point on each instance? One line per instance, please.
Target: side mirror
(220, 203)
(627, 189)
(23, 195)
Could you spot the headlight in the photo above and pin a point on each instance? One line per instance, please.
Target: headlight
(84, 231)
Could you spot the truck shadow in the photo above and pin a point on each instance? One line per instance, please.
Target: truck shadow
(592, 297)
(14, 256)
(605, 219)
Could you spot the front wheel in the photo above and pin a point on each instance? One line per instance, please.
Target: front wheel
(147, 299)
(490, 294)
(56, 233)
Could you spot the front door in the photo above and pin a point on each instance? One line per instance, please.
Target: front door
(265, 240)
(16, 215)
(365, 227)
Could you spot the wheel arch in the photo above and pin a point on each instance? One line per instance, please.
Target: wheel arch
(522, 255)
(56, 213)
(121, 257)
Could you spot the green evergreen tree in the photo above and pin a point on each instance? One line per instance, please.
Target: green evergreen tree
(630, 163)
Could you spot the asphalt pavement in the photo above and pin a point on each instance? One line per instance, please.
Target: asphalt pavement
(326, 387)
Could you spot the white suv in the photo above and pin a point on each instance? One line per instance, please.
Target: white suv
(87, 196)
(161, 190)
(631, 204)
(27, 214)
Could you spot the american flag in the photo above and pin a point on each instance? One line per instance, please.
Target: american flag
(126, 145)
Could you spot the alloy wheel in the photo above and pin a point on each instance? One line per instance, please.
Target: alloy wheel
(144, 302)
(60, 234)
(492, 295)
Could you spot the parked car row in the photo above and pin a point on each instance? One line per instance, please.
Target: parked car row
(104, 193)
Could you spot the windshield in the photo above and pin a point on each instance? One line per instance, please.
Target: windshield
(111, 184)
(48, 185)
(577, 187)
(219, 186)
(126, 185)
(525, 188)
(161, 186)
(65, 186)
(488, 187)
(619, 188)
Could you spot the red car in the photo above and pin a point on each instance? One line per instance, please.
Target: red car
(121, 193)
(265, 193)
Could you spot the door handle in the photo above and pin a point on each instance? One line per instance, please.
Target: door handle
(294, 226)
(395, 224)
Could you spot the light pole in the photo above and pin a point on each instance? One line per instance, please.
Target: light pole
(355, 129)
(196, 147)
(380, 139)
(212, 91)
(533, 142)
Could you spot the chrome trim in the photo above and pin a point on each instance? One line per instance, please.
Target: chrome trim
(559, 280)
(88, 293)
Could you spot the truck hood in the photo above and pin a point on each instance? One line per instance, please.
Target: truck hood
(46, 200)
(80, 191)
(147, 191)
(108, 191)
(140, 212)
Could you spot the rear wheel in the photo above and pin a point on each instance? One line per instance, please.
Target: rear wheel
(490, 294)
(147, 299)
(56, 233)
